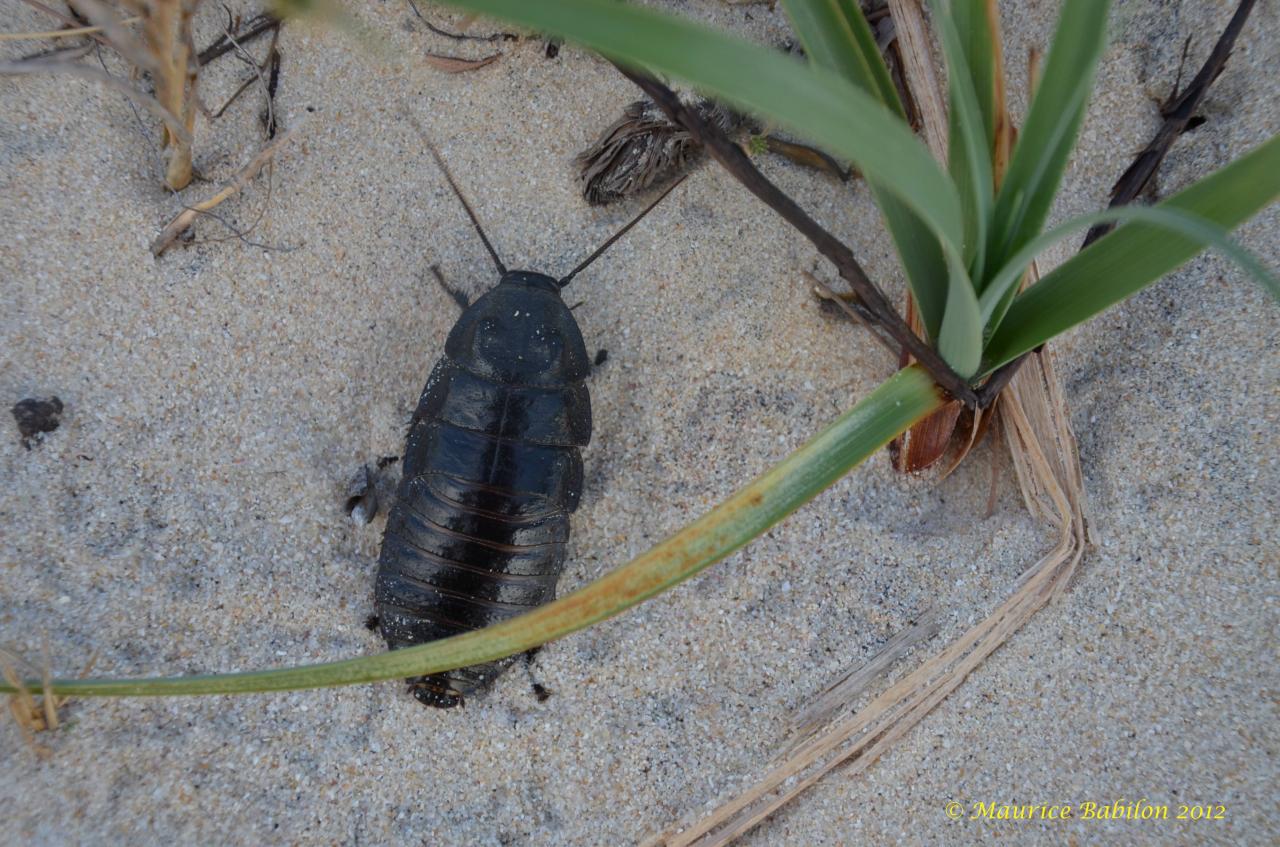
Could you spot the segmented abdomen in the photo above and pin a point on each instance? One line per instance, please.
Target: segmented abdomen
(492, 470)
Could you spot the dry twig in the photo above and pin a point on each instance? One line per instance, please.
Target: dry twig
(457, 65)
(188, 216)
(34, 714)
(1177, 114)
(737, 163)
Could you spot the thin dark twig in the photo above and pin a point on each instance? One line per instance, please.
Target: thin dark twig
(739, 165)
(273, 82)
(272, 55)
(1177, 80)
(991, 389)
(268, 90)
(261, 24)
(1177, 113)
(59, 54)
(461, 36)
(244, 86)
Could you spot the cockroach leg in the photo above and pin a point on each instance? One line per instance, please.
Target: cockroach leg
(430, 691)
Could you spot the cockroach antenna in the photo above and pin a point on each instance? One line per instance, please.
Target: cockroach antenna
(457, 192)
(567, 278)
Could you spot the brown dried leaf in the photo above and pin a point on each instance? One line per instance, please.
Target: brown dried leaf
(929, 440)
(809, 157)
(457, 64)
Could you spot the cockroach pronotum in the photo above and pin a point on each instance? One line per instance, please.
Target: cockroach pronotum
(492, 470)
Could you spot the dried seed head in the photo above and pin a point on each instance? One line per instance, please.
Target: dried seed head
(642, 149)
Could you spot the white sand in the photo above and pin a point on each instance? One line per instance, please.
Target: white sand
(187, 516)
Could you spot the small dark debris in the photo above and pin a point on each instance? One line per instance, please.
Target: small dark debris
(36, 416)
(384, 461)
(362, 497)
(371, 623)
(541, 692)
(553, 49)
(602, 356)
(311, 108)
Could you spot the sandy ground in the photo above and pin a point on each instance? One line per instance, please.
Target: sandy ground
(187, 516)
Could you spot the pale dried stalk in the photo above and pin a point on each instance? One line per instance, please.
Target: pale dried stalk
(923, 82)
(33, 714)
(58, 33)
(188, 216)
(847, 689)
(167, 30)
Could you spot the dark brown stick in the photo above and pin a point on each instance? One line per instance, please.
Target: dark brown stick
(224, 45)
(461, 36)
(735, 161)
(1180, 109)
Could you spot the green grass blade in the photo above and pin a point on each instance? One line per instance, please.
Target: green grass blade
(974, 32)
(960, 342)
(1135, 255)
(1052, 124)
(969, 156)
(906, 397)
(823, 107)
(1172, 219)
(921, 255)
(836, 36)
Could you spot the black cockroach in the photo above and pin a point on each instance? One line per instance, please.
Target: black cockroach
(492, 470)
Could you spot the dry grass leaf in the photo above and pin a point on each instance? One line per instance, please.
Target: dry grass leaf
(188, 216)
(33, 713)
(456, 64)
(921, 446)
(821, 709)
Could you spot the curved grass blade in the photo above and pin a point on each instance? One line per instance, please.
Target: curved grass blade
(969, 156)
(821, 106)
(900, 401)
(1173, 219)
(976, 30)
(1053, 122)
(960, 342)
(1133, 256)
(836, 36)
